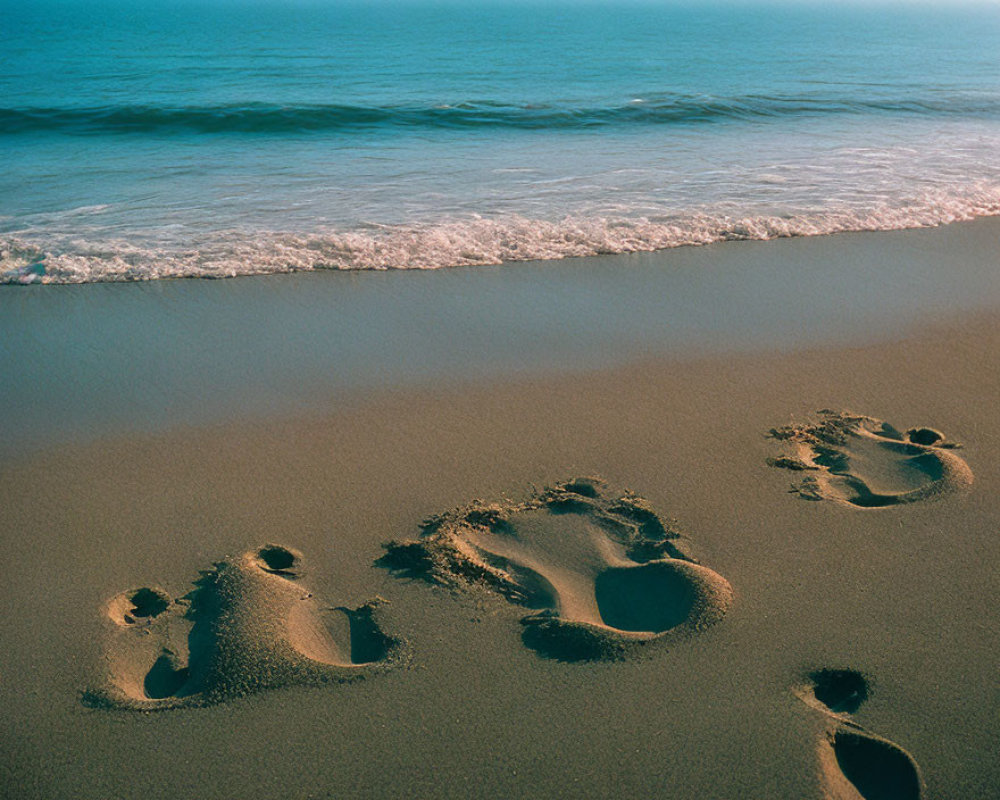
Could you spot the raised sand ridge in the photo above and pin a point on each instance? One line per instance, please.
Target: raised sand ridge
(601, 572)
(867, 463)
(248, 625)
(854, 763)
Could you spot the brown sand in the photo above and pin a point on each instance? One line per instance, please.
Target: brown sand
(604, 575)
(247, 626)
(903, 595)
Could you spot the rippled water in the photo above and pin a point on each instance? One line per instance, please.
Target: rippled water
(147, 140)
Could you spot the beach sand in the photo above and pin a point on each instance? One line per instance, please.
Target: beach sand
(829, 637)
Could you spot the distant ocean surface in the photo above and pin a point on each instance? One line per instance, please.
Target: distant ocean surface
(145, 140)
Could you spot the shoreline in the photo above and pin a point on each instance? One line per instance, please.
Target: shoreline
(91, 360)
(407, 248)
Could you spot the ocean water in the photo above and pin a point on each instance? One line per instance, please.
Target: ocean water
(144, 140)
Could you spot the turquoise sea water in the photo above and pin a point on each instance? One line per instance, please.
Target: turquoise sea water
(155, 139)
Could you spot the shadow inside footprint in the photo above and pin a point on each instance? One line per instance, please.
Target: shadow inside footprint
(138, 606)
(277, 559)
(246, 626)
(166, 678)
(877, 768)
(857, 763)
(840, 690)
(867, 463)
(148, 603)
(368, 643)
(604, 573)
(653, 597)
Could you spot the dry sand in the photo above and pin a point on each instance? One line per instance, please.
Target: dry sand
(844, 637)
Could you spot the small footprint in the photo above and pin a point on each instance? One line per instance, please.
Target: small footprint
(867, 463)
(247, 626)
(601, 574)
(856, 764)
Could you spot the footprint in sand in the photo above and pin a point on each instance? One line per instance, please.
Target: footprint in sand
(867, 463)
(856, 764)
(602, 574)
(248, 625)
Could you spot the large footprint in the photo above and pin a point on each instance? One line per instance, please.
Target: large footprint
(867, 463)
(856, 764)
(247, 626)
(601, 574)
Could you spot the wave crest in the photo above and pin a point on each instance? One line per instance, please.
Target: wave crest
(469, 242)
(660, 110)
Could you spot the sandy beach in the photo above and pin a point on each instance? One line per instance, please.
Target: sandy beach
(198, 600)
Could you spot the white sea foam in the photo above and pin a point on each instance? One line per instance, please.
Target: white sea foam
(37, 257)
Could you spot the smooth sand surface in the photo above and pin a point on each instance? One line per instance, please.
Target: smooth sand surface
(107, 359)
(902, 595)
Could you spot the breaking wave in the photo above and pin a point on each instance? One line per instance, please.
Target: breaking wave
(31, 257)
